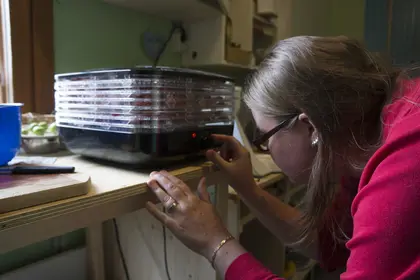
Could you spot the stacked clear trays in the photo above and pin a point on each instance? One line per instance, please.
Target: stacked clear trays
(143, 100)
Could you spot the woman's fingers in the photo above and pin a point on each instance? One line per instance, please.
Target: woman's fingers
(203, 194)
(160, 215)
(224, 152)
(164, 197)
(231, 148)
(176, 181)
(196, 224)
(174, 189)
(214, 157)
(222, 138)
(229, 141)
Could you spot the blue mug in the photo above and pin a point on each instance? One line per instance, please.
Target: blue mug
(10, 131)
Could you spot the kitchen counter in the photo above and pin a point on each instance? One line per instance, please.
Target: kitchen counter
(113, 192)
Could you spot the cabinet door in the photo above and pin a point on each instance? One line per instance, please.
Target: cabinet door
(266, 7)
(405, 32)
(376, 25)
(241, 13)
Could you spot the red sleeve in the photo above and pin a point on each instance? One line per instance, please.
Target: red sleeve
(246, 267)
(386, 210)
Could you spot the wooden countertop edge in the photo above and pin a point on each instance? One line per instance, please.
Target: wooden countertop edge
(57, 208)
(43, 228)
(53, 219)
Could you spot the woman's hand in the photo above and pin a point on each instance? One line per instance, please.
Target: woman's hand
(234, 161)
(191, 218)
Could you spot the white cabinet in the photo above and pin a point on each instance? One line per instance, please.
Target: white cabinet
(224, 36)
(230, 44)
(266, 7)
(226, 39)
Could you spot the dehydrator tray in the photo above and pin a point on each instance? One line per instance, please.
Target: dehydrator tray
(146, 121)
(127, 110)
(148, 116)
(143, 93)
(141, 127)
(150, 103)
(145, 77)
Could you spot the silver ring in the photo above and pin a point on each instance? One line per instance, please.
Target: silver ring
(172, 207)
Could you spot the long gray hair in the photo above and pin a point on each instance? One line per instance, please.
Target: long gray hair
(342, 88)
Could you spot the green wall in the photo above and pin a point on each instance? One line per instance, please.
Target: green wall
(93, 34)
(329, 18)
(347, 18)
(311, 17)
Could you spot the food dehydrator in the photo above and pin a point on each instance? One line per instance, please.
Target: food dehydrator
(143, 115)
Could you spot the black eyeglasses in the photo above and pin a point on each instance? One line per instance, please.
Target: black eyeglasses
(262, 141)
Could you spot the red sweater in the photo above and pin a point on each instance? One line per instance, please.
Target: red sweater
(384, 224)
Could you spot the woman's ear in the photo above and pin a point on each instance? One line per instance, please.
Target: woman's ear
(312, 131)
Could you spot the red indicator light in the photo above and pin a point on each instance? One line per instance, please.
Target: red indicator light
(193, 135)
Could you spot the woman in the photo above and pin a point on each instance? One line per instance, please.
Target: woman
(346, 125)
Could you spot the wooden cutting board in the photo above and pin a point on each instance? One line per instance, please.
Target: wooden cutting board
(21, 191)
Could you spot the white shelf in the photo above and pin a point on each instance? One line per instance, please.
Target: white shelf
(263, 21)
(235, 71)
(267, 7)
(265, 26)
(181, 10)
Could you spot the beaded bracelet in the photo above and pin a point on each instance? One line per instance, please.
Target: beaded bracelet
(223, 242)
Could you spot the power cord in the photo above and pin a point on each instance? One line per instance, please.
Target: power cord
(175, 27)
(117, 236)
(165, 250)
